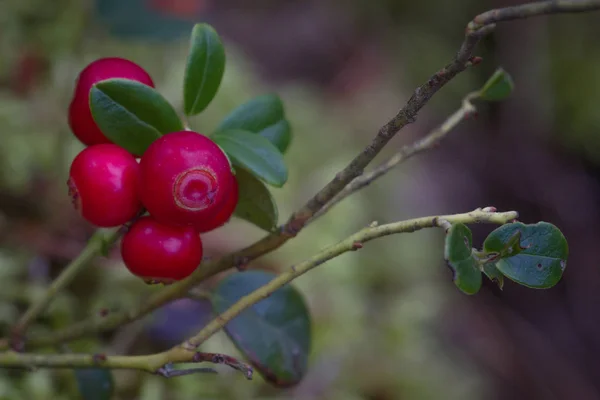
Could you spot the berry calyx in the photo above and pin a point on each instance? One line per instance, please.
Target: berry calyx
(103, 185)
(160, 253)
(80, 115)
(185, 179)
(224, 214)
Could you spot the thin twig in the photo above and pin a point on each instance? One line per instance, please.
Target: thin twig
(352, 243)
(431, 140)
(531, 10)
(173, 373)
(481, 25)
(186, 352)
(224, 359)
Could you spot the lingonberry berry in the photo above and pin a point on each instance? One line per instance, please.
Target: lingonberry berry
(161, 253)
(185, 179)
(103, 185)
(224, 214)
(80, 116)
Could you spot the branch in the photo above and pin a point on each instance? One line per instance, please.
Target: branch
(352, 243)
(95, 246)
(481, 25)
(159, 363)
(431, 140)
(150, 363)
(531, 10)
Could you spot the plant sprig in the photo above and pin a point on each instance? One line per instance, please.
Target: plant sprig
(512, 245)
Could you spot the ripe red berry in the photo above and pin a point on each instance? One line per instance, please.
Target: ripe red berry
(161, 253)
(103, 185)
(185, 179)
(224, 214)
(80, 116)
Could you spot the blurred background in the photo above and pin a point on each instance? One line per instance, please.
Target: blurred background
(388, 321)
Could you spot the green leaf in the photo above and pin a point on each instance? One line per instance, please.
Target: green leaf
(458, 252)
(95, 383)
(275, 333)
(204, 69)
(132, 114)
(543, 256)
(280, 134)
(255, 204)
(263, 115)
(254, 153)
(498, 87)
(493, 274)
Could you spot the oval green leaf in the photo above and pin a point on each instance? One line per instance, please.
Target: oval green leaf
(275, 333)
(255, 154)
(498, 87)
(204, 69)
(256, 204)
(263, 115)
(458, 252)
(95, 383)
(542, 258)
(131, 114)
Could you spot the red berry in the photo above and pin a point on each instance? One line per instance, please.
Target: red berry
(185, 179)
(161, 253)
(103, 185)
(80, 116)
(224, 214)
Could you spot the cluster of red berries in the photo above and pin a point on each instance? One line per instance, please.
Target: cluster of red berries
(183, 180)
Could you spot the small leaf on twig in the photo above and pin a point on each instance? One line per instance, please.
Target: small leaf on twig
(498, 87)
(543, 256)
(458, 253)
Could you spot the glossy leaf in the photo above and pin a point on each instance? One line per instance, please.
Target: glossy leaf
(95, 383)
(204, 69)
(255, 154)
(498, 87)
(458, 252)
(263, 115)
(132, 114)
(542, 260)
(275, 333)
(256, 204)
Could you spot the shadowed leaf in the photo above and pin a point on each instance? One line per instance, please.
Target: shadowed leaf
(498, 87)
(275, 333)
(256, 204)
